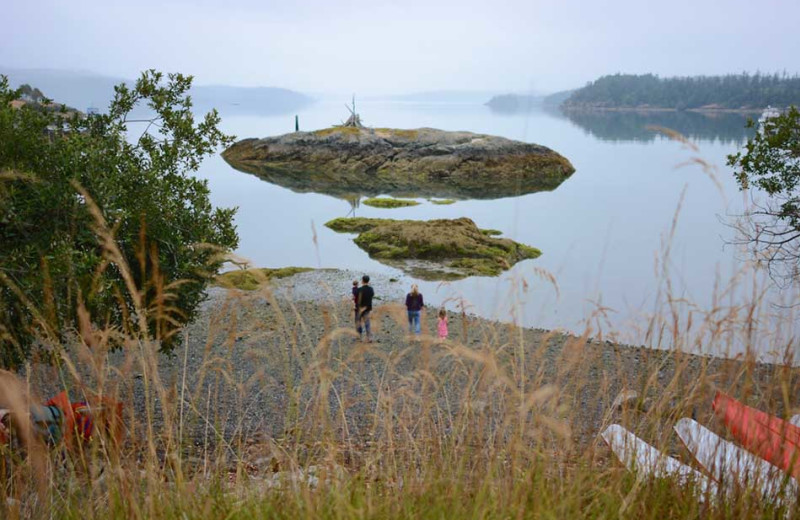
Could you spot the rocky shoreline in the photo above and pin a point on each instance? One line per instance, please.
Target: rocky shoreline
(423, 162)
(246, 350)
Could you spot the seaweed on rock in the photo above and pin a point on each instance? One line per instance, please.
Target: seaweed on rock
(443, 249)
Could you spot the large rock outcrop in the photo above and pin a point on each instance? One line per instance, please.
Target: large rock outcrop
(443, 249)
(425, 162)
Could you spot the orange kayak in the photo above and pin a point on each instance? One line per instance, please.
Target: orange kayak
(769, 437)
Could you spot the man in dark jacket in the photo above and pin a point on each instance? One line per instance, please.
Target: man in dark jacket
(364, 298)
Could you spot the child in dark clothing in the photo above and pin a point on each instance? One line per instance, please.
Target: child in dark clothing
(355, 301)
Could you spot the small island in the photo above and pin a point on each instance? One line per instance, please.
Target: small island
(443, 249)
(344, 161)
(388, 203)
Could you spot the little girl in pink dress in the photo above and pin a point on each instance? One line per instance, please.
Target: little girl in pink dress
(442, 324)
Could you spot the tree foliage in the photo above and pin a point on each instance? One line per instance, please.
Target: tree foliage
(733, 91)
(770, 162)
(62, 176)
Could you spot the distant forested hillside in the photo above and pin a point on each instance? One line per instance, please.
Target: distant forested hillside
(733, 92)
(512, 103)
(466, 97)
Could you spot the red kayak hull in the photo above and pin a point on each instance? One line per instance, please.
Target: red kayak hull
(769, 437)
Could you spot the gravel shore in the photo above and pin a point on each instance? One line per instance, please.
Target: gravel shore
(245, 351)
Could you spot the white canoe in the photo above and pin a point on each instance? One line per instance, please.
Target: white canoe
(732, 465)
(642, 458)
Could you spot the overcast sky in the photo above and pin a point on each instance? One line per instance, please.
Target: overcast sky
(372, 46)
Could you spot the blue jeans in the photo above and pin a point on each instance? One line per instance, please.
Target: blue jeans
(363, 318)
(413, 322)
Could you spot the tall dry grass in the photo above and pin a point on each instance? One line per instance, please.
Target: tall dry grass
(495, 422)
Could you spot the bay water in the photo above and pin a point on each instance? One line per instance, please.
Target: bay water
(643, 227)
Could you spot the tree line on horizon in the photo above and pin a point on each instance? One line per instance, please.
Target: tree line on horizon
(731, 91)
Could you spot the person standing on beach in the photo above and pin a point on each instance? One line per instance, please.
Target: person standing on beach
(355, 302)
(364, 299)
(414, 304)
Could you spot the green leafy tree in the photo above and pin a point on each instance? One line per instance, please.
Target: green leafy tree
(102, 213)
(770, 162)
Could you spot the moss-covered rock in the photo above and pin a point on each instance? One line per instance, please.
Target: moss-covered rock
(383, 202)
(424, 162)
(442, 202)
(356, 224)
(441, 249)
(252, 279)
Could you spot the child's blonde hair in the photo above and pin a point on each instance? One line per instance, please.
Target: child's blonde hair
(442, 313)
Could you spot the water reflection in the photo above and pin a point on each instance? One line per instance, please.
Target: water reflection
(638, 126)
(725, 127)
(598, 231)
(353, 184)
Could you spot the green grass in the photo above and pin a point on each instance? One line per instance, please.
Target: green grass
(398, 132)
(417, 458)
(252, 279)
(346, 130)
(509, 448)
(381, 202)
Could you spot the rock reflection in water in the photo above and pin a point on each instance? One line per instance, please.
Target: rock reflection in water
(417, 163)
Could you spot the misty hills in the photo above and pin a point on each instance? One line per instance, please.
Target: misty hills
(512, 103)
(466, 97)
(84, 89)
(249, 100)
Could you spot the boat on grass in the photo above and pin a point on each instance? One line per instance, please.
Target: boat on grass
(644, 459)
(771, 438)
(731, 466)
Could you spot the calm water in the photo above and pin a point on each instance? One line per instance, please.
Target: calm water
(601, 232)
